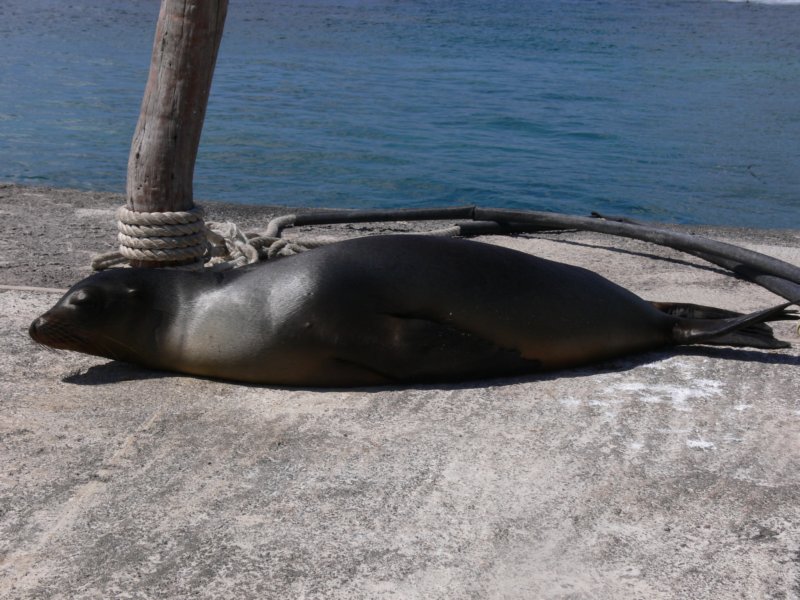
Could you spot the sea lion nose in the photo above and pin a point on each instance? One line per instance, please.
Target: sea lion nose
(37, 324)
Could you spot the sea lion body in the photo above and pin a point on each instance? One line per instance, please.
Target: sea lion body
(367, 311)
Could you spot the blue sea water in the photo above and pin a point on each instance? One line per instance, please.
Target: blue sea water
(672, 110)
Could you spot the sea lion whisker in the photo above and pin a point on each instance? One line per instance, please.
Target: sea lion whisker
(45, 347)
(55, 330)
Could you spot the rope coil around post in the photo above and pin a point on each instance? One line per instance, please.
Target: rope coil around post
(167, 237)
(161, 236)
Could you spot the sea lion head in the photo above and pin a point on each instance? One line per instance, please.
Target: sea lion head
(109, 314)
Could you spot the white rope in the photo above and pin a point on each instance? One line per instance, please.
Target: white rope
(228, 247)
(278, 224)
(183, 236)
(162, 243)
(155, 230)
(161, 236)
(159, 219)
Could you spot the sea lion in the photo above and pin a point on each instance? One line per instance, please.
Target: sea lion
(377, 310)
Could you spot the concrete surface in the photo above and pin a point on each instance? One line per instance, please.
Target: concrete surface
(670, 475)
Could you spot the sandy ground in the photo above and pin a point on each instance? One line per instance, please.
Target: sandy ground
(674, 474)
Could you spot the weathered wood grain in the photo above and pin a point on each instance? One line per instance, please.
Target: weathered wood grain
(164, 147)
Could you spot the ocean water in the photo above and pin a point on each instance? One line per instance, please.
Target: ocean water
(672, 110)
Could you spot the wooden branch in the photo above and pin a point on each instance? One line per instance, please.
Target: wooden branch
(776, 275)
(164, 148)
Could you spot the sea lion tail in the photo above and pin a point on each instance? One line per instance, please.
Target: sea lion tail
(706, 325)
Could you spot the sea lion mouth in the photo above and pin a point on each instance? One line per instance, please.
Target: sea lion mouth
(54, 332)
(60, 332)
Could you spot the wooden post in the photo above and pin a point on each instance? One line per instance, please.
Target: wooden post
(164, 147)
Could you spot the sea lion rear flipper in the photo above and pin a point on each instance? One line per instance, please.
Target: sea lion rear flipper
(699, 311)
(743, 330)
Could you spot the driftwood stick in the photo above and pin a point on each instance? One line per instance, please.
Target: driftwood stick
(777, 285)
(680, 241)
(771, 273)
(164, 146)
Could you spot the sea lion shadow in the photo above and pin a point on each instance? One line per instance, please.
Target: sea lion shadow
(113, 372)
(739, 354)
(119, 372)
(617, 365)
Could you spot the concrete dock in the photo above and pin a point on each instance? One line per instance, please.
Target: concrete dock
(672, 474)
